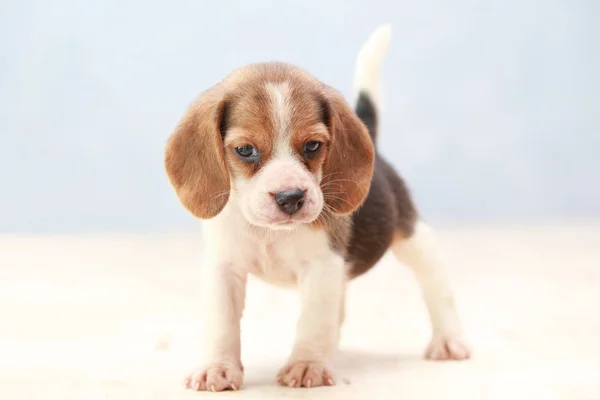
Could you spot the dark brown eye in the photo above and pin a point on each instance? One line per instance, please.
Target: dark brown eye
(311, 148)
(247, 153)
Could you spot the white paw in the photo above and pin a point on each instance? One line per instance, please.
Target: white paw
(448, 347)
(305, 374)
(215, 377)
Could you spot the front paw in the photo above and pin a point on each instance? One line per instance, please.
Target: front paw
(215, 377)
(306, 374)
(448, 347)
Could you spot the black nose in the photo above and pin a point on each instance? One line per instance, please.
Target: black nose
(290, 201)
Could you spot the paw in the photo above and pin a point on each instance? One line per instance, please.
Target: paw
(305, 374)
(215, 377)
(448, 347)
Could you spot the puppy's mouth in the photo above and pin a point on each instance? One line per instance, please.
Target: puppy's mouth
(283, 214)
(288, 222)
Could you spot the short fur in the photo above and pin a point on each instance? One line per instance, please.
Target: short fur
(238, 148)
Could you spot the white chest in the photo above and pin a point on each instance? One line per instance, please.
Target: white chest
(281, 256)
(277, 257)
(274, 261)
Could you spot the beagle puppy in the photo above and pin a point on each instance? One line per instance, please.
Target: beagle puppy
(287, 178)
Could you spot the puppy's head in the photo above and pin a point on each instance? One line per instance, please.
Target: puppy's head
(276, 141)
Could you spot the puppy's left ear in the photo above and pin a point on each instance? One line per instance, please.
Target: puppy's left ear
(348, 167)
(194, 156)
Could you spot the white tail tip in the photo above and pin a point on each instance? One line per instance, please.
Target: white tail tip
(369, 61)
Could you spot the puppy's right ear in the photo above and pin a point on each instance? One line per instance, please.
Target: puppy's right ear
(194, 157)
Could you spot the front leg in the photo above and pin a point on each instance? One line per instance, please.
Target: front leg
(321, 284)
(223, 295)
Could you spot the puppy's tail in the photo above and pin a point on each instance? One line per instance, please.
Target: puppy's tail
(367, 77)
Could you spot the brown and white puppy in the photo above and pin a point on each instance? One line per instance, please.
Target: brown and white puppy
(279, 165)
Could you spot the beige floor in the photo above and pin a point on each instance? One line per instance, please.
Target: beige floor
(79, 317)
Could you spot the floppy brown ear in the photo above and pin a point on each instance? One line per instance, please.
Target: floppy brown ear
(348, 168)
(194, 156)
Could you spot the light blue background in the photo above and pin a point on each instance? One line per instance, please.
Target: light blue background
(491, 106)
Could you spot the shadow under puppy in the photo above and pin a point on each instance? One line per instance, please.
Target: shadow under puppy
(287, 178)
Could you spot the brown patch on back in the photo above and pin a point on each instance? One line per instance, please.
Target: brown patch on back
(387, 212)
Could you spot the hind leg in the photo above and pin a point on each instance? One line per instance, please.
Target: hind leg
(419, 252)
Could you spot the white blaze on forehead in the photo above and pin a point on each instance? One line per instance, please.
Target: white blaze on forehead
(281, 112)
